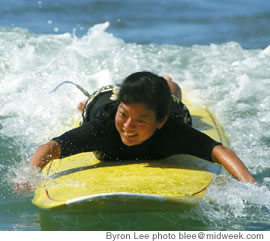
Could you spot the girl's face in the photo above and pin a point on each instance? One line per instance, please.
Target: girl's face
(136, 123)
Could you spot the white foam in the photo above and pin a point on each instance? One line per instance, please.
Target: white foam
(232, 80)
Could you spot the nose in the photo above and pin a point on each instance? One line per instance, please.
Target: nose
(129, 124)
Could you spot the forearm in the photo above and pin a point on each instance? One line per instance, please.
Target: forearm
(46, 153)
(232, 163)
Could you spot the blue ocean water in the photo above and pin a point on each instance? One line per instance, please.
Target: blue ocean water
(220, 49)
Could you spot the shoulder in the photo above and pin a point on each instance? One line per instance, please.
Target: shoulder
(97, 126)
(175, 124)
(176, 129)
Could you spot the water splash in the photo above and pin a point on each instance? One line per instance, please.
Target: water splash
(233, 81)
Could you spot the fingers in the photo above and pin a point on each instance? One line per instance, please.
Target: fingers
(21, 188)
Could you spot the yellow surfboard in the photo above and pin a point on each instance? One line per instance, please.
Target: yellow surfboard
(82, 182)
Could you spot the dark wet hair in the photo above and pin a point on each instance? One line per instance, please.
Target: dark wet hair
(149, 89)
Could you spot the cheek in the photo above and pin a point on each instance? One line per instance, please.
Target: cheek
(118, 122)
(147, 131)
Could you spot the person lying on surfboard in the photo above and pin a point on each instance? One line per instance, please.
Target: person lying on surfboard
(142, 119)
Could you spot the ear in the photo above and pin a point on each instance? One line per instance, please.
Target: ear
(160, 124)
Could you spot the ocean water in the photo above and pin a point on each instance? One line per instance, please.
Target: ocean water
(220, 49)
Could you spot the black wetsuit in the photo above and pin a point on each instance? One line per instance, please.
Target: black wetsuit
(98, 133)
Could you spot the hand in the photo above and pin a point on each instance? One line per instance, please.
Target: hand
(21, 188)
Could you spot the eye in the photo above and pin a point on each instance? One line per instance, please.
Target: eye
(122, 114)
(141, 121)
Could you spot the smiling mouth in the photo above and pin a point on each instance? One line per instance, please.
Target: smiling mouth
(130, 134)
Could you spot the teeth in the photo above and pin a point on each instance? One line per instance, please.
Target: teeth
(130, 134)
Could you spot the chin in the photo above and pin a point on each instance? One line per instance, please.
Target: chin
(129, 143)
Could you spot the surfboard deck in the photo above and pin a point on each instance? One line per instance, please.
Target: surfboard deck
(82, 182)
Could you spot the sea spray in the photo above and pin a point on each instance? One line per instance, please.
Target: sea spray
(233, 82)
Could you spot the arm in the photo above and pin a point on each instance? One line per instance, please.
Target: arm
(232, 163)
(43, 155)
(46, 153)
(81, 139)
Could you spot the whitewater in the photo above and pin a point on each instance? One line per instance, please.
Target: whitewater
(232, 81)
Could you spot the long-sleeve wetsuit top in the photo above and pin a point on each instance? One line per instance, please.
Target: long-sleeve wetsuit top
(100, 135)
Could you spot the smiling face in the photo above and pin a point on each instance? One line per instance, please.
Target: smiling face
(136, 123)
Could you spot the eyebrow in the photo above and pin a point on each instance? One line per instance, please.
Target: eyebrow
(141, 115)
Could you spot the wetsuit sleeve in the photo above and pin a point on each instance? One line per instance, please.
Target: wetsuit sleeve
(187, 140)
(85, 138)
